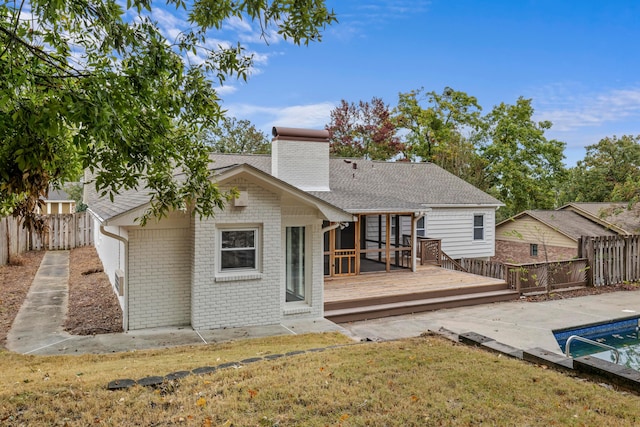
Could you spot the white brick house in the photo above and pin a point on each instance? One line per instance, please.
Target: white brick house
(262, 260)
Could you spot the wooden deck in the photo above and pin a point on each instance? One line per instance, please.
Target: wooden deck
(373, 295)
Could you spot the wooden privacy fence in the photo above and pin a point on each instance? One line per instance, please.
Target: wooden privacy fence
(13, 239)
(612, 259)
(65, 231)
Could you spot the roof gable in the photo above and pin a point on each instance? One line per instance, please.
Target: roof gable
(567, 223)
(130, 205)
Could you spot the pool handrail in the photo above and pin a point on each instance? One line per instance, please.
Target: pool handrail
(588, 341)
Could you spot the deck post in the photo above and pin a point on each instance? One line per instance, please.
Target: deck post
(388, 242)
(357, 245)
(332, 252)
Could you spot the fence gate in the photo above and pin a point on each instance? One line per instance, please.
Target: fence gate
(64, 231)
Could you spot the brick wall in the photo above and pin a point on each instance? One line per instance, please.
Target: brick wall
(249, 299)
(518, 253)
(159, 277)
(304, 164)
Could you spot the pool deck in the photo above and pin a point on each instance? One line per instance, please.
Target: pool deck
(520, 324)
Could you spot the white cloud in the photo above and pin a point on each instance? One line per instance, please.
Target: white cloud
(250, 32)
(302, 116)
(570, 108)
(226, 90)
(167, 19)
(356, 19)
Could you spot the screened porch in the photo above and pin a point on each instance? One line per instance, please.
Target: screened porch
(374, 243)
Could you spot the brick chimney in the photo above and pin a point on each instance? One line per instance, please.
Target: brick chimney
(300, 157)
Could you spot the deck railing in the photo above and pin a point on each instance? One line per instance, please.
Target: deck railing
(429, 251)
(480, 267)
(549, 276)
(538, 277)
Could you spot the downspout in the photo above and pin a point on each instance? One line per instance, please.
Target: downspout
(125, 242)
(414, 241)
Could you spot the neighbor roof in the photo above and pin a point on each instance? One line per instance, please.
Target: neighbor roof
(569, 223)
(622, 217)
(58, 195)
(357, 186)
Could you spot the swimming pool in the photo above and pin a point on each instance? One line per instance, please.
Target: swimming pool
(621, 334)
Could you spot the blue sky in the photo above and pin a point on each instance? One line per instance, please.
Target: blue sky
(578, 60)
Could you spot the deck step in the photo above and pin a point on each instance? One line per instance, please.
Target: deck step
(414, 296)
(374, 311)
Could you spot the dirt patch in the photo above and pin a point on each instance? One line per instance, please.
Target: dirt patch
(556, 295)
(15, 281)
(93, 306)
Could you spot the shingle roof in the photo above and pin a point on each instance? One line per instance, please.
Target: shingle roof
(383, 186)
(57, 194)
(370, 186)
(570, 223)
(623, 215)
(395, 186)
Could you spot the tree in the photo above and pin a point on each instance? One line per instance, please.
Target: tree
(438, 127)
(75, 190)
(523, 167)
(91, 85)
(237, 136)
(363, 130)
(609, 172)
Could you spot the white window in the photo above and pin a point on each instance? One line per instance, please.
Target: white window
(478, 227)
(238, 249)
(421, 230)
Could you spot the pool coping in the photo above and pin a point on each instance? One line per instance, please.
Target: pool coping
(586, 366)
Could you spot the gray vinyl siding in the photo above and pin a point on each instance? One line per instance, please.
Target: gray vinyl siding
(454, 226)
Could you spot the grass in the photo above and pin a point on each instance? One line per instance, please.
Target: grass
(420, 381)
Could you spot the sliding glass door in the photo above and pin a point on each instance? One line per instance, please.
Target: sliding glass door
(295, 263)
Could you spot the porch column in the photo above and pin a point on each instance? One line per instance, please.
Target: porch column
(356, 239)
(387, 243)
(414, 242)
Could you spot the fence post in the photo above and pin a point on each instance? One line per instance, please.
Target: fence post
(587, 252)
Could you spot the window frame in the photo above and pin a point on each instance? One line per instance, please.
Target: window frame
(533, 250)
(423, 228)
(257, 243)
(306, 278)
(482, 228)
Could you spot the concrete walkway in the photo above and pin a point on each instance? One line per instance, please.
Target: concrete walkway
(37, 328)
(38, 324)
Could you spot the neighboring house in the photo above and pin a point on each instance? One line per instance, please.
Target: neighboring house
(58, 202)
(300, 216)
(545, 235)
